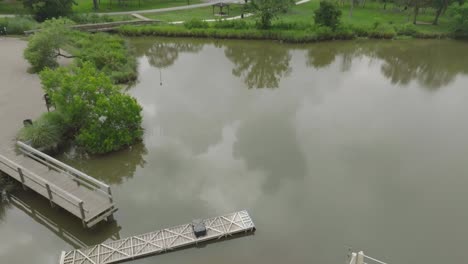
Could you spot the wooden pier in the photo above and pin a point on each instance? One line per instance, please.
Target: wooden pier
(160, 241)
(83, 196)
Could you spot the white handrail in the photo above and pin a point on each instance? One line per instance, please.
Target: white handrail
(61, 164)
(42, 182)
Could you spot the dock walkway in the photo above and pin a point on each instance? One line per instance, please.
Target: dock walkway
(160, 241)
(83, 196)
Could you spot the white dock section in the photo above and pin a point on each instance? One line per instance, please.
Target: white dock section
(159, 241)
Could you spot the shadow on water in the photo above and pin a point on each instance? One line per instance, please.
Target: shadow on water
(433, 64)
(112, 168)
(64, 225)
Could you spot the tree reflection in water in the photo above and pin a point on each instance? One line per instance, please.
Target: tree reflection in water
(113, 168)
(259, 65)
(432, 64)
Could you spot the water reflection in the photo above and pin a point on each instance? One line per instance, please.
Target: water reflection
(164, 52)
(259, 65)
(65, 226)
(112, 169)
(432, 64)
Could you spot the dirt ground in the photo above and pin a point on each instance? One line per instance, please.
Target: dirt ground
(20, 91)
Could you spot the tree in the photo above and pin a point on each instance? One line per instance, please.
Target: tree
(44, 46)
(328, 14)
(269, 9)
(46, 9)
(460, 20)
(440, 6)
(417, 4)
(99, 117)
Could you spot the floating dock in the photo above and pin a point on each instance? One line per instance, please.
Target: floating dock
(160, 241)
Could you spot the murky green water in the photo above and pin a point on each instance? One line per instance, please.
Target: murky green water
(329, 146)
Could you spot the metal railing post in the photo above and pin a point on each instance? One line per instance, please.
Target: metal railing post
(110, 194)
(360, 258)
(20, 172)
(82, 211)
(353, 258)
(49, 192)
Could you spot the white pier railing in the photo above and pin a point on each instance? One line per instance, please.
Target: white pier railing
(361, 258)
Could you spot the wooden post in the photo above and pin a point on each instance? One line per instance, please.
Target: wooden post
(360, 258)
(110, 194)
(20, 172)
(82, 214)
(353, 258)
(49, 192)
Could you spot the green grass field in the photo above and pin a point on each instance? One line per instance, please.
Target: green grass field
(86, 6)
(370, 15)
(197, 13)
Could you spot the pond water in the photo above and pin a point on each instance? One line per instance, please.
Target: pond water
(329, 146)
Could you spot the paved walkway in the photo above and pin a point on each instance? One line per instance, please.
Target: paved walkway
(160, 10)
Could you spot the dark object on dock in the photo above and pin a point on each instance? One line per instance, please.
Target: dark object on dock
(48, 101)
(199, 228)
(27, 122)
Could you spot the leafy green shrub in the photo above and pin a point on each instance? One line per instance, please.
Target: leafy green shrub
(328, 14)
(382, 32)
(196, 23)
(100, 117)
(46, 133)
(406, 30)
(235, 24)
(44, 46)
(46, 9)
(88, 18)
(114, 123)
(267, 10)
(460, 20)
(109, 54)
(16, 25)
(281, 25)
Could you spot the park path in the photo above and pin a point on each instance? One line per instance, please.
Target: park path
(159, 10)
(169, 9)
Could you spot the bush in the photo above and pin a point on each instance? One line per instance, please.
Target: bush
(46, 133)
(328, 14)
(109, 54)
(196, 23)
(460, 20)
(46, 9)
(44, 46)
(114, 123)
(100, 117)
(234, 24)
(382, 32)
(16, 25)
(267, 10)
(406, 30)
(90, 18)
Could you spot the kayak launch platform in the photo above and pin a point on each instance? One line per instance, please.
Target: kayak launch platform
(162, 240)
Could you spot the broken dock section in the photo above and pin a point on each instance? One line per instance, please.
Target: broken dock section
(161, 241)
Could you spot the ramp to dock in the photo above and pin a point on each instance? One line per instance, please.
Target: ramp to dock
(81, 195)
(160, 241)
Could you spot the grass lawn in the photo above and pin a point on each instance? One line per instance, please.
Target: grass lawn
(196, 13)
(11, 7)
(370, 15)
(86, 6)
